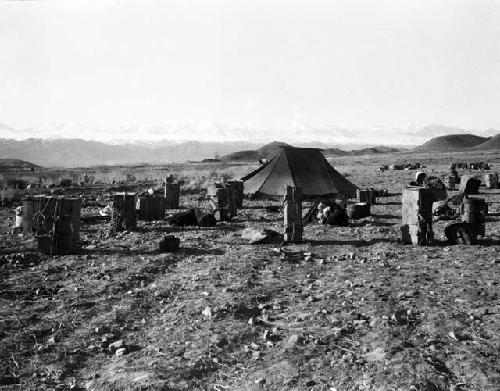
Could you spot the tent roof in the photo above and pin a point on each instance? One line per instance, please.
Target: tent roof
(306, 168)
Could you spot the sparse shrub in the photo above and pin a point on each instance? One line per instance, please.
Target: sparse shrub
(66, 182)
(15, 183)
(9, 196)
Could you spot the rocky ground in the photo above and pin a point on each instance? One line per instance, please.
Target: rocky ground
(349, 309)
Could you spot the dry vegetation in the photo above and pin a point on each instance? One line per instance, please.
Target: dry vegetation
(366, 313)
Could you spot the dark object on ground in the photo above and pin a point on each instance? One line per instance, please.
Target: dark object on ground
(441, 210)
(265, 236)
(469, 185)
(338, 217)
(273, 208)
(461, 233)
(358, 210)
(456, 199)
(193, 218)
(205, 219)
(381, 192)
(169, 244)
(184, 219)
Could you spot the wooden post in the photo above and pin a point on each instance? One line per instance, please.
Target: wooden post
(417, 216)
(172, 193)
(124, 212)
(292, 213)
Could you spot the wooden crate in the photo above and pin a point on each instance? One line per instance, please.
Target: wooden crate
(57, 222)
(151, 208)
(124, 215)
(172, 195)
(473, 211)
(367, 196)
(417, 216)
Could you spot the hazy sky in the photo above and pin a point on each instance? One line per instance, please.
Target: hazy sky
(251, 64)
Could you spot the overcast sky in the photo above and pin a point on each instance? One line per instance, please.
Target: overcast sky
(251, 64)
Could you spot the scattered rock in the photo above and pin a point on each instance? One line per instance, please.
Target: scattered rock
(121, 352)
(113, 347)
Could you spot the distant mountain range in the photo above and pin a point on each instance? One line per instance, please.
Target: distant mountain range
(296, 133)
(15, 164)
(272, 149)
(74, 152)
(82, 153)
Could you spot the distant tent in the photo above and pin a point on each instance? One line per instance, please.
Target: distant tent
(303, 167)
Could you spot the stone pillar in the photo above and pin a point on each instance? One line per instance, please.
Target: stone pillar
(417, 216)
(124, 215)
(292, 213)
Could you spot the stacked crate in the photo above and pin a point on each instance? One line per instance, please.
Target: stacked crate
(57, 224)
(417, 216)
(238, 187)
(222, 201)
(292, 213)
(450, 182)
(30, 205)
(172, 193)
(151, 207)
(473, 211)
(124, 217)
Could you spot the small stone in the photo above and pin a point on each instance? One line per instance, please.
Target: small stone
(121, 352)
(207, 312)
(308, 258)
(255, 355)
(260, 381)
(116, 345)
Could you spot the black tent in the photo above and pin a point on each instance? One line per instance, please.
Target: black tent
(306, 168)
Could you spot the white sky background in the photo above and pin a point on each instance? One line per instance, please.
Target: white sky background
(256, 65)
